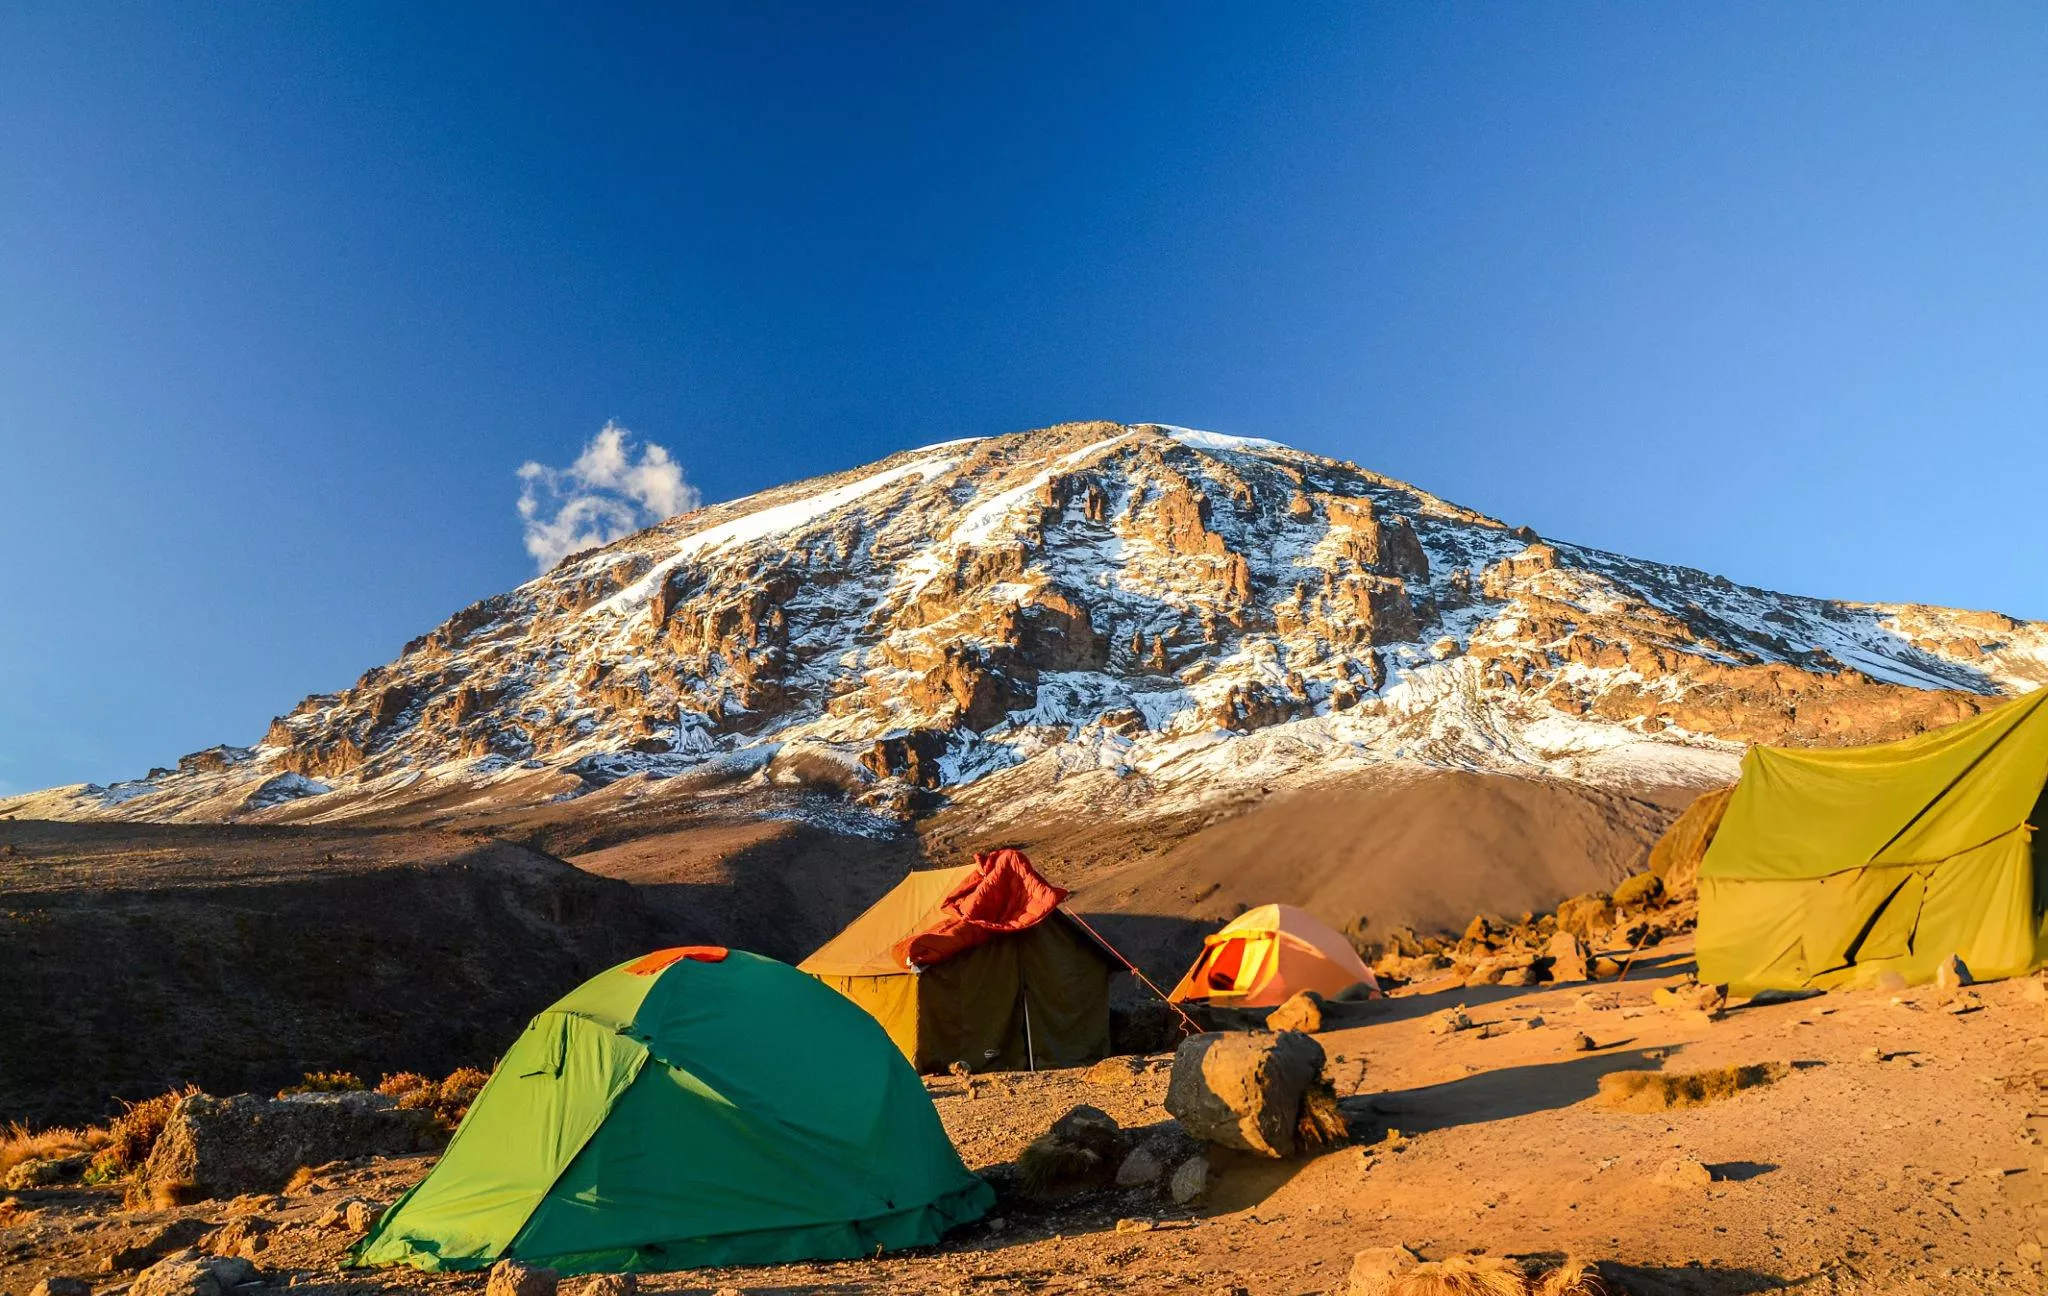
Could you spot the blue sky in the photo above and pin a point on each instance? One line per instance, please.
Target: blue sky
(288, 293)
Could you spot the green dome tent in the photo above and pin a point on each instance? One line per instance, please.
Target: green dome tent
(695, 1107)
(1831, 867)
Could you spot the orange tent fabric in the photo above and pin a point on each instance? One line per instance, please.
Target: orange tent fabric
(1266, 954)
(1003, 894)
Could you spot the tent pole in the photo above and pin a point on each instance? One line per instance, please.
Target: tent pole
(1030, 1056)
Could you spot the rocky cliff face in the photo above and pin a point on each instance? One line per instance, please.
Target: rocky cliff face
(1161, 610)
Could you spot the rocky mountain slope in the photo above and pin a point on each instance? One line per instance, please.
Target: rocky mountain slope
(1089, 617)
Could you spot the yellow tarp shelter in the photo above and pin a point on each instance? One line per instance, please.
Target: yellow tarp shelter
(1833, 866)
(1036, 997)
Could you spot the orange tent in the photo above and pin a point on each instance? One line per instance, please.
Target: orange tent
(1266, 954)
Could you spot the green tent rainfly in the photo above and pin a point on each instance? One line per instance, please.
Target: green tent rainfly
(694, 1107)
(1831, 867)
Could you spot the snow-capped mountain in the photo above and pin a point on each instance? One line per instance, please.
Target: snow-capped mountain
(1140, 613)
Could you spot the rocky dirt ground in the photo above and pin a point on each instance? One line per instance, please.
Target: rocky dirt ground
(1899, 1151)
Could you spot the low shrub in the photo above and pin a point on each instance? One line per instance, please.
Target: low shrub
(133, 1134)
(448, 1098)
(1655, 1091)
(325, 1082)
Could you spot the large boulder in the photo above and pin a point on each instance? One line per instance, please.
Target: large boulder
(219, 1147)
(1256, 1092)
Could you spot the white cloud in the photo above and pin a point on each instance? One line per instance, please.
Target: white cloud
(612, 490)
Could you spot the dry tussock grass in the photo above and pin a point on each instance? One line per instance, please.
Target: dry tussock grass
(1654, 1091)
(134, 1133)
(1493, 1276)
(18, 1144)
(448, 1098)
(12, 1212)
(324, 1082)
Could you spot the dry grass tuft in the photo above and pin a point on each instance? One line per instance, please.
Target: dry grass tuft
(161, 1195)
(1493, 1276)
(300, 1180)
(325, 1082)
(448, 1099)
(18, 1144)
(12, 1212)
(1654, 1091)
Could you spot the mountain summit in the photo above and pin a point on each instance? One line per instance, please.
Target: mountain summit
(1089, 614)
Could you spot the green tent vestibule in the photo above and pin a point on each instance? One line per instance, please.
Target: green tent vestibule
(1831, 867)
(695, 1107)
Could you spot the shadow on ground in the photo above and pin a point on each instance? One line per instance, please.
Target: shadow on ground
(1499, 1095)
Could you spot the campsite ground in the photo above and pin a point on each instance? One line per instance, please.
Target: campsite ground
(1916, 1173)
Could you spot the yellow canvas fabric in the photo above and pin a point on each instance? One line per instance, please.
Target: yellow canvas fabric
(1036, 997)
(862, 949)
(1832, 866)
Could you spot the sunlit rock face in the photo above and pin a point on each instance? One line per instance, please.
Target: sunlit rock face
(1179, 609)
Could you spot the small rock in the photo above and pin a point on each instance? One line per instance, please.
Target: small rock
(1520, 976)
(1966, 1001)
(1091, 1127)
(605, 1284)
(56, 1286)
(2037, 990)
(359, 1215)
(1583, 1043)
(244, 1235)
(511, 1278)
(1873, 1054)
(1604, 967)
(1599, 1001)
(728, 1291)
(42, 1172)
(1302, 1011)
(1115, 1071)
(1691, 996)
(1450, 1021)
(1190, 1180)
(1485, 974)
(1373, 1270)
(1134, 1226)
(1684, 1172)
(1533, 1022)
(153, 1246)
(1952, 974)
(1776, 996)
(1639, 892)
(1139, 1168)
(1567, 955)
(188, 1273)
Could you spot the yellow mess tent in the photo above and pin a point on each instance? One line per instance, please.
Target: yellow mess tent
(1831, 867)
(1264, 955)
(978, 965)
